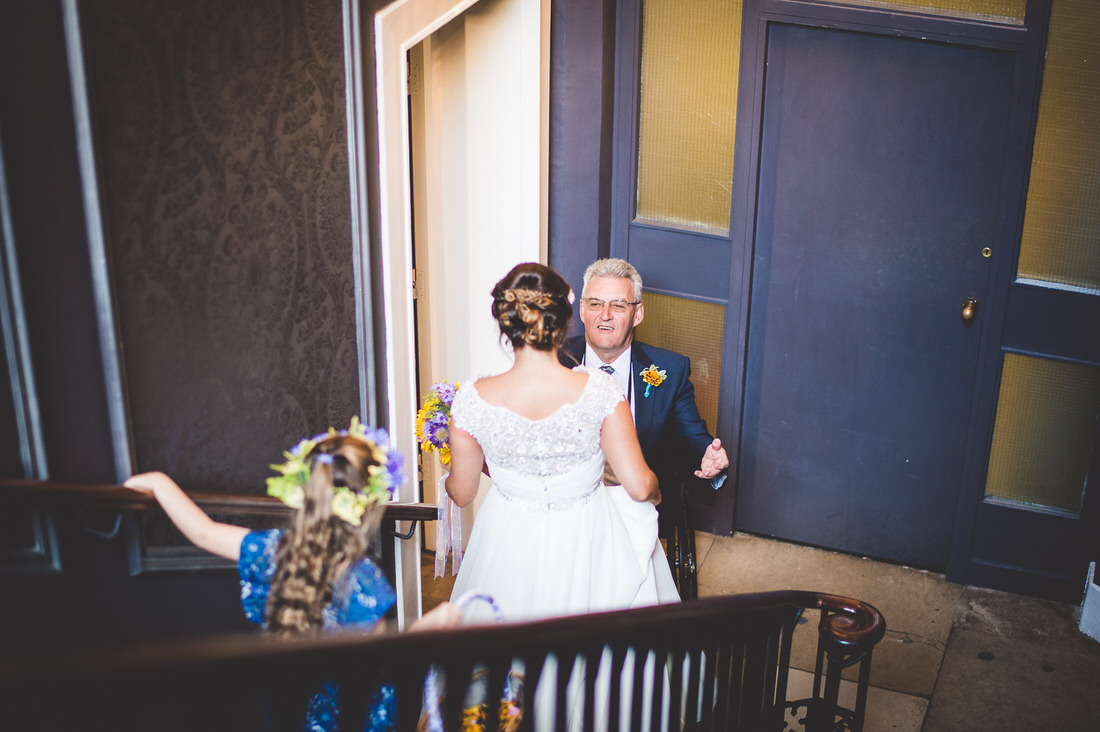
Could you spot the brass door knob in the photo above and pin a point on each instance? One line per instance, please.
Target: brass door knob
(969, 311)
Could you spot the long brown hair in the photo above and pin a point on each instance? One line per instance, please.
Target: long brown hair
(319, 545)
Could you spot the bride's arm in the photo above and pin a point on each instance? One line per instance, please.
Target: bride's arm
(620, 446)
(467, 460)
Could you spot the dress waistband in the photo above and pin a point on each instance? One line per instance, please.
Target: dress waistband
(542, 505)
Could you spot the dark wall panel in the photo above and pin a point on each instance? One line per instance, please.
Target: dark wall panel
(221, 141)
(50, 240)
(582, 63)
(11, 464)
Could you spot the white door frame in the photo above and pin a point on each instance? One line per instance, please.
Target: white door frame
(397, 28)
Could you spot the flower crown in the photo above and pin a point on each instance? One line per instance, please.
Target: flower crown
(385, 476)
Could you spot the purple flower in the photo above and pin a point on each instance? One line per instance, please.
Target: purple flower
(395, 464)
(436, 431)
(299, 449)
(446, 392)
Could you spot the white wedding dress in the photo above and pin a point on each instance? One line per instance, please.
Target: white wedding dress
(550, 538)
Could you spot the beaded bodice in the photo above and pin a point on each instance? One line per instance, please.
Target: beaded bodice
(543, 448)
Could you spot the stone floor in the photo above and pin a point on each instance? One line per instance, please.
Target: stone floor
(954, 657)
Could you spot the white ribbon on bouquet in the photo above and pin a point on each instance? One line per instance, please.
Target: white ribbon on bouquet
(448, 531)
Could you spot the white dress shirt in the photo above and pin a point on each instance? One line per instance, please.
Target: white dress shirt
(623, 377)
(621, 374)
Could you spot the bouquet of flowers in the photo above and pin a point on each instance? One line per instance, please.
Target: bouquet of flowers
(433, 434)
(433, 418)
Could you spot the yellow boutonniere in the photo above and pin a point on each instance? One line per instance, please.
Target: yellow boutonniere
(652, 376)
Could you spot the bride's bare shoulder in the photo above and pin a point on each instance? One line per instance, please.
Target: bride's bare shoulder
(497, 388)
(482, 382)
(576, 381)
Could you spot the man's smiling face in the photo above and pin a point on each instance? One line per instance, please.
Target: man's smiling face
(607, 331)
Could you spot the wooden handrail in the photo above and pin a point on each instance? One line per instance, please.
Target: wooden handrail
(246, 654)
(736, 650)
(115, 497)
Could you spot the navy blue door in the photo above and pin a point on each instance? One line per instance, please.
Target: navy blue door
(881, 161)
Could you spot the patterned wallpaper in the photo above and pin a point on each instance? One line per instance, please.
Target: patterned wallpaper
(221, 142)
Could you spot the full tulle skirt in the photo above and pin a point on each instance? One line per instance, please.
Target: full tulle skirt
(599, 554)
(592, 551)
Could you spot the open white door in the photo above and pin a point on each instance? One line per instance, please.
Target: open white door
(479, 141)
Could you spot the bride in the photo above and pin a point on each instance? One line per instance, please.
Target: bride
(550, 539)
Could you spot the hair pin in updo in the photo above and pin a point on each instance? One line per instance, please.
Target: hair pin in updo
(525, 295)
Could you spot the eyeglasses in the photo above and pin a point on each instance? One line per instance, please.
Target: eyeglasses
(617, 306)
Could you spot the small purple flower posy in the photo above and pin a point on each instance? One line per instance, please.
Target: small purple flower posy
(446, 392)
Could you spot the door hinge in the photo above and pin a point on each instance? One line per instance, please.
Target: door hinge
(412, 80)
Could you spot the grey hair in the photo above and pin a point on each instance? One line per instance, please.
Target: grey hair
(614, 268)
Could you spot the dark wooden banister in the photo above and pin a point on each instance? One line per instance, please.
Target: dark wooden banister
(742, 642)
(115, 497)
(737, 650)
(862, 627)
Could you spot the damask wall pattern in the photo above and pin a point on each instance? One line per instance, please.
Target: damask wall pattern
(221, 145)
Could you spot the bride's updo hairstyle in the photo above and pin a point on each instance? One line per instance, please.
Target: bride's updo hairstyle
(532, 306)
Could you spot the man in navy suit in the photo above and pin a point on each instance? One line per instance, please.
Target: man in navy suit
(665, 415)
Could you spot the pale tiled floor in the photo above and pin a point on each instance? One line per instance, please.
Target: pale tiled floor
(905, 663)
(953, 658)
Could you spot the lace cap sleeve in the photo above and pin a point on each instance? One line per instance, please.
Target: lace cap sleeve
(604, 389)
(464, 407)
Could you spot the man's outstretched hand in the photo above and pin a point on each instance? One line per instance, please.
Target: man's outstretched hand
(714, 461)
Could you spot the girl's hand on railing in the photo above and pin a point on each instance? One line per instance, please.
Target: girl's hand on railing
(150, 483)
(217, 538)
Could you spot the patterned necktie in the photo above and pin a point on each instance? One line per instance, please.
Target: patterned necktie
(607, 369)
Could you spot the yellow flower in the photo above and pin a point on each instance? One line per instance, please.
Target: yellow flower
(473, 718)
(432, 418)
(349, 505)
(420, 417)
(652, 376)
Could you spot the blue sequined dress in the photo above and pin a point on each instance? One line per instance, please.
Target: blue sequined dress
(360, 598)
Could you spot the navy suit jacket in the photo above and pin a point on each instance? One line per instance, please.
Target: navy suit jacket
(672, 434)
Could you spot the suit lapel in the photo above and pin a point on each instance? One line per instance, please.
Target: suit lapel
(643, 406)
(575, 348)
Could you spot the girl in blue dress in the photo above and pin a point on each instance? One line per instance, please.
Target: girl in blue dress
(314, 575)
